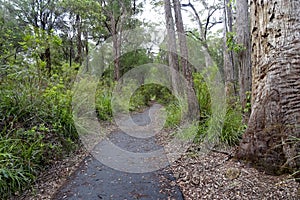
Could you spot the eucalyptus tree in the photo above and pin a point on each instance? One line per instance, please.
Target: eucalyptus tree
(229, 54)
(271, 137)
(243, 54)
(171, 36)
(118, 14)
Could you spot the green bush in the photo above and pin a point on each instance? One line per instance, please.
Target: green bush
(36, 126)
(233, 127)
(103, 104)
(148, 93)
(228, 132)
(173, 115)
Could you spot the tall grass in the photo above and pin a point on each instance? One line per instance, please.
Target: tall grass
(36, 126)
(215, 127)
(209, 126)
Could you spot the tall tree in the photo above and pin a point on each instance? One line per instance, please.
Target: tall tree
(275, 115)
(43, 15)
(229, 64)
(172, 55)
(84, 20)
(11, 36)
(182, 41)
(172, 47)
(186, 67)
(244, 54)
(205, 24)
(117, 13)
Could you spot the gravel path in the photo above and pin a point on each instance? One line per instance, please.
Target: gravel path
(94, 180)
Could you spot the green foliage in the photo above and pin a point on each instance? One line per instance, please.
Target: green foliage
(36, 125)
(141, 98)
(247, 109)
(103, 99)
(203, 96)
(187, 132)
(231, 129)
(132, 59)
(231, 43)
(149, 93)
(173, 115)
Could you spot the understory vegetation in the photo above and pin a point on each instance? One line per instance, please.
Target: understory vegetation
(36, 124)
(43, 47)
(37, 127)
(231, 128)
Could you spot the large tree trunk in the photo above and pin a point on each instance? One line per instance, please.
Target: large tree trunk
(275, 113)
(244, 55)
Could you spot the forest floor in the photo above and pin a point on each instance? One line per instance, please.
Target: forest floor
(195, 175)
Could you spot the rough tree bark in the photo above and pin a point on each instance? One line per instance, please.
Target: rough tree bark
(275, 116)
(244, 55)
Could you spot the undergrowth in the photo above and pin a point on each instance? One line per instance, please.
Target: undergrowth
(36, 126)
(228, 132)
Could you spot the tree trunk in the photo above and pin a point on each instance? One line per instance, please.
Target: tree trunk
(172, 54)
(116, 49)
(48, 60)
(173, 57)
(186, 68)
(78, 58)
(86, 36)
(275, 113)
(230, 89)
(244, 55)
(182, 41)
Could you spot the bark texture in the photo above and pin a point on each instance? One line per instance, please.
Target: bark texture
(172, 55)
(275, 113)
(186, 67)
(172, 47)
(230, 89)
(244, 55)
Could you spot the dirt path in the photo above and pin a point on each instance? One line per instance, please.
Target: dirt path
(94, 180)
